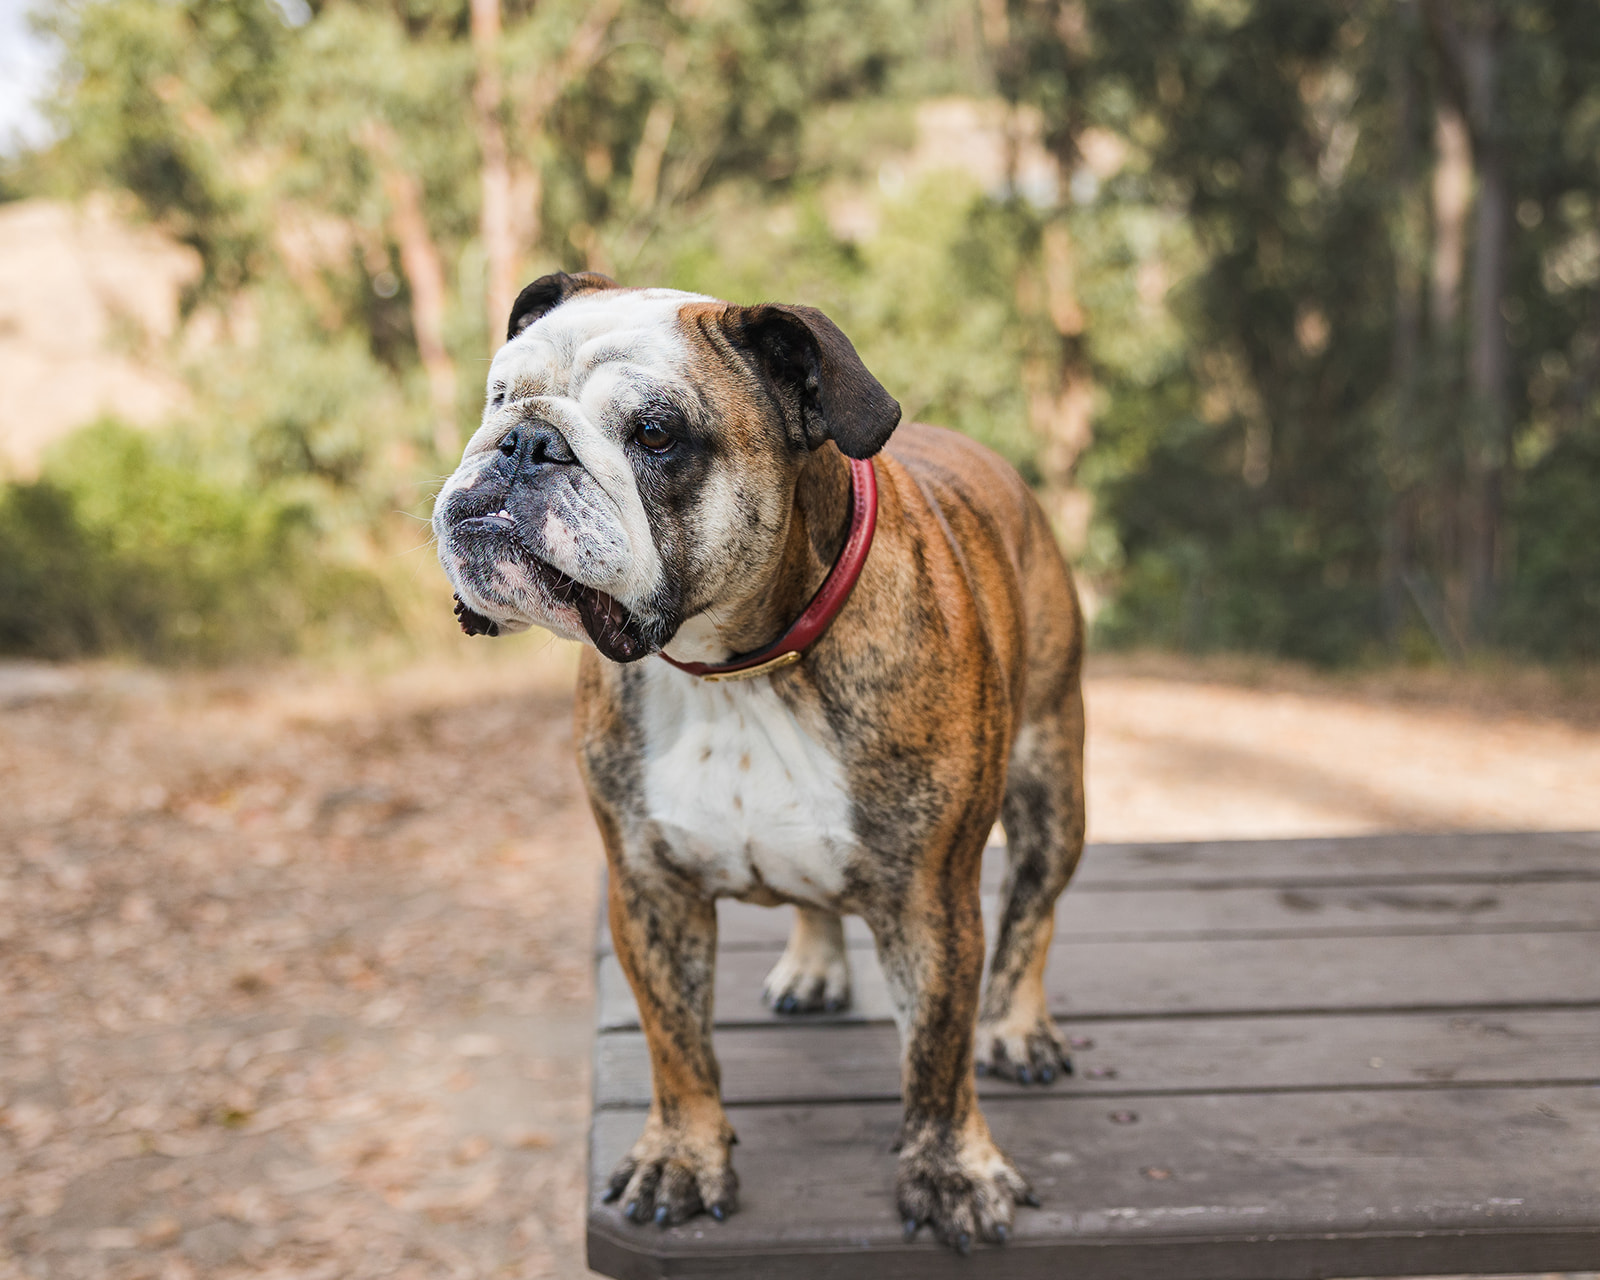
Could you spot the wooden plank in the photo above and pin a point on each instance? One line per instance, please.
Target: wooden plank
(1395, 859)
(1346, 910)
(1347, 1057)
(1256, 1187)
(1412, 882)
(768, 1065)
(1192, 979)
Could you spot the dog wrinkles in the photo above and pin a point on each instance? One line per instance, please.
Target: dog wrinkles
(593, 364)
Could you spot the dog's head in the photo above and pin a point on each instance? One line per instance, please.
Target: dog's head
(638, 457)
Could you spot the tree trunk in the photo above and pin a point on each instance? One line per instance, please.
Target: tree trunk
(644, 182)
(534, 91)
(1452, 197)
(1488, 357)
(495, 217)
(419, 259)
(1469, 59)
(1404, 463)
(1440, 532)
(1062, 413)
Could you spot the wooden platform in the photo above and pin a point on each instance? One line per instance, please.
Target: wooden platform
(1306, 1058)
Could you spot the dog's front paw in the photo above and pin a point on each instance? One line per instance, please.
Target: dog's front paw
(964, 1187)
(1029, 1053)
(670, 1176)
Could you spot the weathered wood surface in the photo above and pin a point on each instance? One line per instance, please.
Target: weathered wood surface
(1174, 914)
(1155, 978)
(1158, 1056)
(1375, 1056)
(1394, 885)
(1268, 1185)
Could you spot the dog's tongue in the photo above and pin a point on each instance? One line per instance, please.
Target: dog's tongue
(607, 622)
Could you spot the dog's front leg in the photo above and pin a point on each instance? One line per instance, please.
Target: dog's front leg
(665, 935)
(951, 1174)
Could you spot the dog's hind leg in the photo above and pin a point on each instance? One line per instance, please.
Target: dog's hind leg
(813, 974)
(1043, 816)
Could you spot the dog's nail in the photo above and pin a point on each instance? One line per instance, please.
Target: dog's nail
(630, 1211)
(718, 1212)
(1023, 1077)
(1000, 1233)
(1032, 1201)
(1046, 1075)
(661, 1215)
(909, 1228)
(983, 1068)
(1067, 1068)
(612, 1194)
(963, 1244)
(832, 1006)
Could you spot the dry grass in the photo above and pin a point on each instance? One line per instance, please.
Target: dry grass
(296, 975)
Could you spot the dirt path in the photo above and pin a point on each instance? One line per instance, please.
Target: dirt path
(293, 965)
(1180, 752)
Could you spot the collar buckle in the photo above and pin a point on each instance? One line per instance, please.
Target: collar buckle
(760, 669)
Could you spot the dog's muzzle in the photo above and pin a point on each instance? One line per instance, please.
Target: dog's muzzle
(496, 517)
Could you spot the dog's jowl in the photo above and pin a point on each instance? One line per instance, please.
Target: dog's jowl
(823, 655)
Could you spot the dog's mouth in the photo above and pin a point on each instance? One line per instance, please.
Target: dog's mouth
(613, 630)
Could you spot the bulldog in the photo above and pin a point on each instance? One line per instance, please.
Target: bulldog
(822, 657)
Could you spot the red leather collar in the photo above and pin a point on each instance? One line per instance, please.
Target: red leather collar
(807, 629)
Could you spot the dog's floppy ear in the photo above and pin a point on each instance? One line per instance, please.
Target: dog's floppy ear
(547, 293)
(805, 355)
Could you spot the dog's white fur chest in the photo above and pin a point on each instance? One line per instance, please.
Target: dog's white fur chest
(748, 798)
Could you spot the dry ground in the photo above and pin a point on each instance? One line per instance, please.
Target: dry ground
(293, 964)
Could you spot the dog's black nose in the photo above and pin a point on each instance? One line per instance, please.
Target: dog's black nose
(535, 444)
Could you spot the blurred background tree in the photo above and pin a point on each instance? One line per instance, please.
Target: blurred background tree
(1290, 309)
(1381, 411)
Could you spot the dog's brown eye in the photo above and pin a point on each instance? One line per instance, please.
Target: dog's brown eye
(653, 436)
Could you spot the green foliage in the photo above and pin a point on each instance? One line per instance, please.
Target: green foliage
(1214, 565)
(119, 549)
(928, 298)
(298, 404)
(1301, 470)
(1282, 429)
(1239, 486)
(162, 96)
(1553, 609)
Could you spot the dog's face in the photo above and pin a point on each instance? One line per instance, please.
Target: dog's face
(638, 455)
